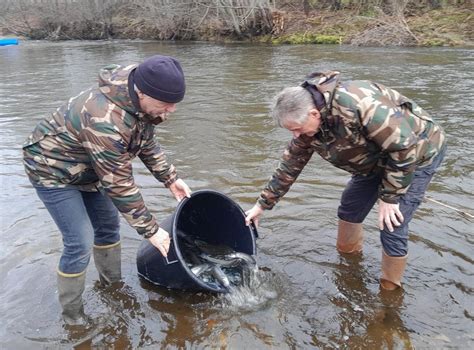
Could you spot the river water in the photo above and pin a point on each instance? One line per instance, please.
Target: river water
(221, 138)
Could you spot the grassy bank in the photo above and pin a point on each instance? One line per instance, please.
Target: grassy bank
(447, 26)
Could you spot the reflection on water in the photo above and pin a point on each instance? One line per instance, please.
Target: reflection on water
(221, 138)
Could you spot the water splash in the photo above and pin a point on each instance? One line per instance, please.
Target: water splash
(255, 292)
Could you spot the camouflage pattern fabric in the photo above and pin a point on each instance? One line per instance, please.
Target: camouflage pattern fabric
(366, 127)
(90, 142)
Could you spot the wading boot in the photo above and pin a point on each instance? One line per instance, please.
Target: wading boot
(349, 237)
(107, 259)
(392, 271)
(70, 289)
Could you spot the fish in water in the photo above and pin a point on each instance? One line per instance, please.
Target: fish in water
(216, 264)
(198, 270)
(222, 262)
(220, 276)
(242, 256)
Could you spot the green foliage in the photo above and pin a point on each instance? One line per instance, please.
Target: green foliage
(443, 40)
(434, 42)
(308, 39)
(368, 12)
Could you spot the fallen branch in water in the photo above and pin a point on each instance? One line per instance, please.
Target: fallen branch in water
(450, 207)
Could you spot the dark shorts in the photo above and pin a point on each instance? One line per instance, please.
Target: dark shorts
(361, 193)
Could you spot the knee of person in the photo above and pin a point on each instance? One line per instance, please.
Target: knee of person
(348, 216)
(79, 247)
(411, 201)
(76, 263)
(394, 246)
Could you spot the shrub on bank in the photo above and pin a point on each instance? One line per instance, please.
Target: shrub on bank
(236, 20)
(308, 39)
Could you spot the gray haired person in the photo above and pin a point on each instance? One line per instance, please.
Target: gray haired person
(389, 144)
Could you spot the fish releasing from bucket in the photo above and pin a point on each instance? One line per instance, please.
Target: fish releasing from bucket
(217, 265)
(220, 276)
(200, 269)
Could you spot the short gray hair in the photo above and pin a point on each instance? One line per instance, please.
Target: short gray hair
(291, 104)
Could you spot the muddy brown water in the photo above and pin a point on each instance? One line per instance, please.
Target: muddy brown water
(221, 138)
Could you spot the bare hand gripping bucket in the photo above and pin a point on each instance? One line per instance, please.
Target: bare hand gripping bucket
(208, 216)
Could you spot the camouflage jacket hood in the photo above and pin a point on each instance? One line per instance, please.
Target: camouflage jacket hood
(90, 142)
(113, 83)
(365, 128)
(321, 86)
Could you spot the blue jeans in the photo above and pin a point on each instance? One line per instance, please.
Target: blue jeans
(361, 193)
(84, 219)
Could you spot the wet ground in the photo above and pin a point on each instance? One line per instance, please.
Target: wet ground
(221, 138)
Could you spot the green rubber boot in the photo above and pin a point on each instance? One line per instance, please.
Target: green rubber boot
(70, 289)
(108, 262)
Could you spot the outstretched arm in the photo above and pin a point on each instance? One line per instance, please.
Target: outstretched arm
(294, 158)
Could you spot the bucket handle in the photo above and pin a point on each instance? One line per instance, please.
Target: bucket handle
(170, 262)
(167, 258)
(253, 228)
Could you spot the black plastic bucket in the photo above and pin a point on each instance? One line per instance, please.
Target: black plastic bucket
(209, 216)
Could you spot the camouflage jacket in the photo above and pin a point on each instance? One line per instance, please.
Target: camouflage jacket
(90, 142)
(366, 127)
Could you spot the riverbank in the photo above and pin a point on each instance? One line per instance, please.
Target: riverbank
(448, 26)
(445, 27)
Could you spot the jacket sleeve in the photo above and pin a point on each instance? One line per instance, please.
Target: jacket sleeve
(294, 158)
(107, 149)
(155, 160)
(389, 125)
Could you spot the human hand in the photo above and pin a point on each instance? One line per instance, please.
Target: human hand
(161, 240)
(389, 214)
(180, 190)
(253, 215)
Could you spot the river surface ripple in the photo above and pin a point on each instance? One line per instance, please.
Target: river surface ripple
(221, 138)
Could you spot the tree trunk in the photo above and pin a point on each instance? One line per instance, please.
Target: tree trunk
(306, 7)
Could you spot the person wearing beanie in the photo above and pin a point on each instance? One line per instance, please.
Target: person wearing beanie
(79, 160)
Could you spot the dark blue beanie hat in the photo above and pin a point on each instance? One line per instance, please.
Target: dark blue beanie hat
(161, 77)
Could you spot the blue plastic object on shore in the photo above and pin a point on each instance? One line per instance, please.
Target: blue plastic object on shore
(209, 216)
(8, 41)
